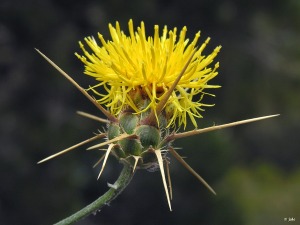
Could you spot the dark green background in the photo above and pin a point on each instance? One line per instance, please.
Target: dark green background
(254, 168)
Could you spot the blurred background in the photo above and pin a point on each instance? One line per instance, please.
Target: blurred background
(254, 168)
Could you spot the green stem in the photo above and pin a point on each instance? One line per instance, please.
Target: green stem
(111, 194)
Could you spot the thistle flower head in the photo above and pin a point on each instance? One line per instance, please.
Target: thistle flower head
(148, 84)
(137, 70)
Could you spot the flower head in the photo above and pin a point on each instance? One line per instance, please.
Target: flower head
(151, 82)
(136, 71)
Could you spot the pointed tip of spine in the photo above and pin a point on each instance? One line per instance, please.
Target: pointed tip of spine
(41, 161)
(191, 170)
(216, 127)
(136, 160)
(162, 171)
(110, 147)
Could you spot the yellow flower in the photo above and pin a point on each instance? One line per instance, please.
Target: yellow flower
(151, 83)
(136, 71)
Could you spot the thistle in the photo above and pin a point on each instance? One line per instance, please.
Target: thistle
(148, 87)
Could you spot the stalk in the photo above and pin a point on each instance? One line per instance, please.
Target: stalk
(115, 189)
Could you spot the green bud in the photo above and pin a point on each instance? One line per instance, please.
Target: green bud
(131, 146)
(128, 122)
(113, 131)
(149, 136)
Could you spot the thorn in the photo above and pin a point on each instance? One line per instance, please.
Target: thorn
(105, 159)
(169, 179)
(136, 158)
(104, 111)
(73, 147)
(218, 127)
(121, 137)
(161, 167)
(99, 161)
(90, 116)
(190, 169)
